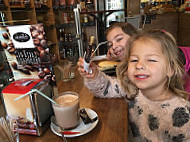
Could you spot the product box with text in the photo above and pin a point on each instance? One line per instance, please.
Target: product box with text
(26, 53)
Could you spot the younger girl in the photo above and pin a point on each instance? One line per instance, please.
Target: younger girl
(159, 110)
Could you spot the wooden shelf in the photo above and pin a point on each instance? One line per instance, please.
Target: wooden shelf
(29, 14)
(102, 11)
(21, 6)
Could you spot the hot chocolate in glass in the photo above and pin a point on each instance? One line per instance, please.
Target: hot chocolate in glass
(67, 110)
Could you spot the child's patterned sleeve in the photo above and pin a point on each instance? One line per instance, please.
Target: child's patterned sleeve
(104, 86)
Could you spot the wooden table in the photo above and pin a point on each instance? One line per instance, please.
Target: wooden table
(112, 113)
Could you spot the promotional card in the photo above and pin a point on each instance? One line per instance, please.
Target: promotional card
(26, 50)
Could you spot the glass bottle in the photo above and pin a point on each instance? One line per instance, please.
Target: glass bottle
(85, 21)
(71, 4)
(62, 4)
(82, 5)
(60, 34)
(89, 5)
(70, 38)
(92, 43)
(56, 4)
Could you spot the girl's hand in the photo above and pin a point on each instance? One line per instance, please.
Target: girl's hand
(85, 74)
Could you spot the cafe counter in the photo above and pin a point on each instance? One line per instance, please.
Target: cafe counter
(112, 115)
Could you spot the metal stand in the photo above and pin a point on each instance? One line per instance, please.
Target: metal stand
(78, 28)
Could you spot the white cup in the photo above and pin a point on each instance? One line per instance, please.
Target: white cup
(87, 67)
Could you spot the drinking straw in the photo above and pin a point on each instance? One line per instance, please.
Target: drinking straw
(35, 90)
(101, 43)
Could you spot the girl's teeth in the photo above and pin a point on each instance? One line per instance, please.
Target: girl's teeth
(118, 52)
(142, 76)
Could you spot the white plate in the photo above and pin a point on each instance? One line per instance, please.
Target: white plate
(82, 128)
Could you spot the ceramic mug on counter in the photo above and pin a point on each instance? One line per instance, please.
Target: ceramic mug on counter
(67, 110)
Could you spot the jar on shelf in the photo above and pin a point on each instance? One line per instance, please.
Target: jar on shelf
(65, 18)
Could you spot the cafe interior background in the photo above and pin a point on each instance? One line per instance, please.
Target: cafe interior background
(71, 25)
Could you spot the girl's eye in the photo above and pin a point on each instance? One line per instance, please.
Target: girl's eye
(109, 44)
(133, 60)
(119, 39)
(152, 60)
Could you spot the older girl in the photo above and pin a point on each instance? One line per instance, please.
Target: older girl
(118, 35)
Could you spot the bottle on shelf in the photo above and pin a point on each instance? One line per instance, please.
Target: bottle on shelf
(71, 18)
(27, 2)
(62, 53)
(92, 43)
(61, 34)
(41, 4)
(90, 49)
(71, 4)
(70, 38)
(85, 20)
(44, 4)
(70, 52)
(62, 4)
(91, 20)
(89, 6)
(56, 4)
(15, 2)
(37, 3)
(65, 18)
(82, 5)
(65, 37)
(84, 38)
(88, 54)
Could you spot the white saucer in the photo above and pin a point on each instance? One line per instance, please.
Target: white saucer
(82, 128)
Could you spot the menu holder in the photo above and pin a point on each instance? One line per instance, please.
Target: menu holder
(28, 59)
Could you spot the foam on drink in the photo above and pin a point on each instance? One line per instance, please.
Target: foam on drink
(66, 99)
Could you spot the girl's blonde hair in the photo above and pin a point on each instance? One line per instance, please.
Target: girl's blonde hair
(170, 50)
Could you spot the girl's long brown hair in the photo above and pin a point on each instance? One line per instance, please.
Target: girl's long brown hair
(126, 28)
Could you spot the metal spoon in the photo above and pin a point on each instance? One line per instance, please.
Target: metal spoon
(64, 138)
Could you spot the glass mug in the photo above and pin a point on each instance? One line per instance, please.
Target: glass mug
(65, 68)
(8, 130)
(67, 110)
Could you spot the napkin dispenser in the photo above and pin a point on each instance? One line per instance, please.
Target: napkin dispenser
(31, 113)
